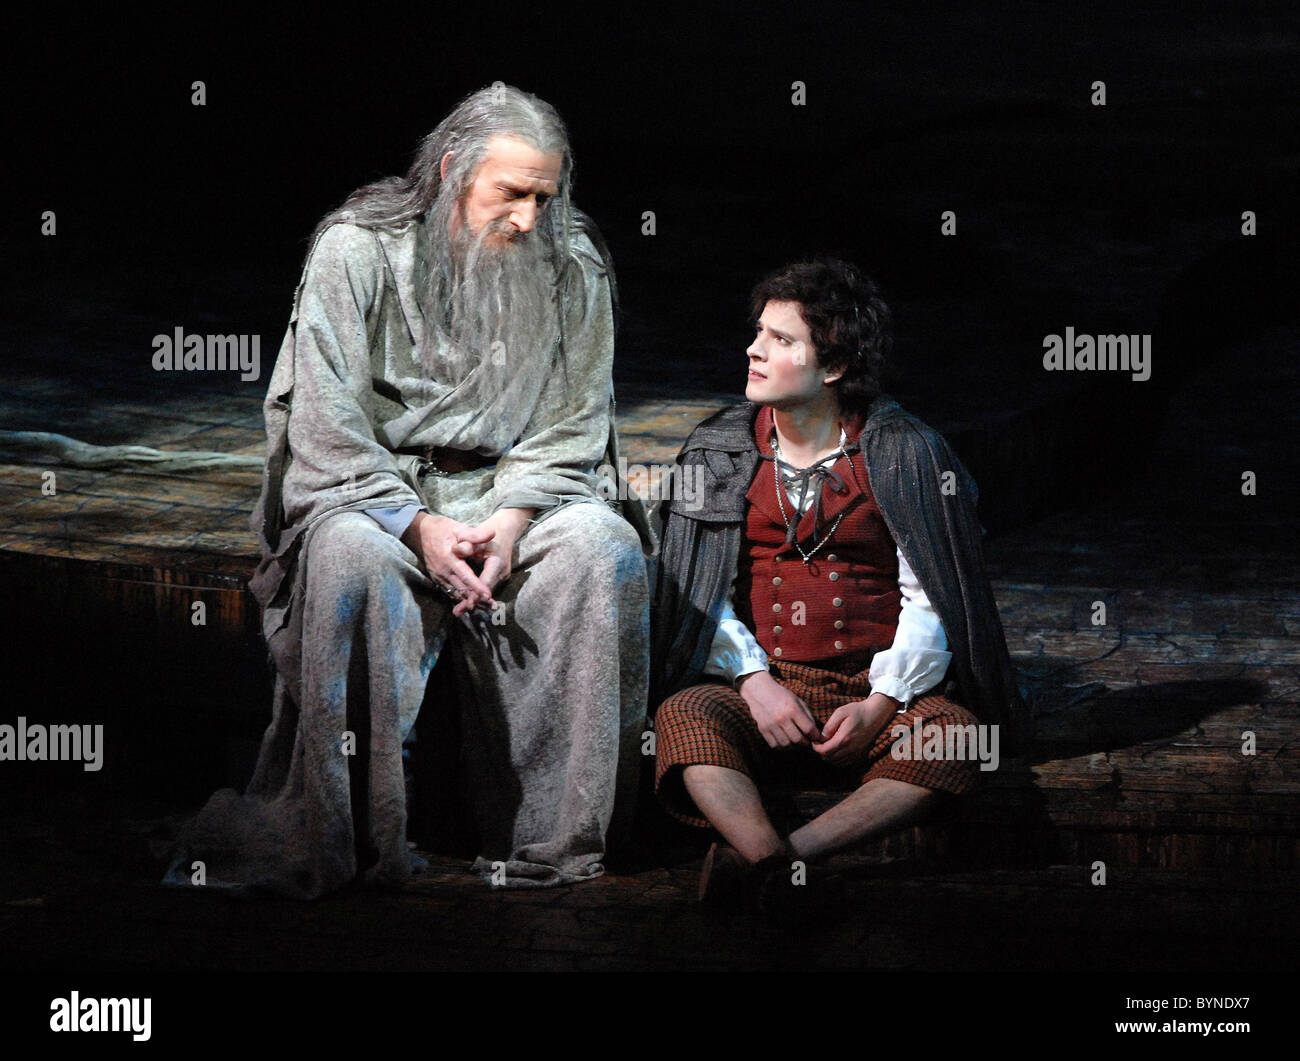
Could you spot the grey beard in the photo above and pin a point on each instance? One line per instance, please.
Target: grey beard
(493, 321)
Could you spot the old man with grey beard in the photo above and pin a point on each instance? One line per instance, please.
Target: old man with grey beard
(435, 422)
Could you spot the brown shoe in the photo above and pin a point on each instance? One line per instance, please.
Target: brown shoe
(723, 878)
(729, 881)
(795, 899)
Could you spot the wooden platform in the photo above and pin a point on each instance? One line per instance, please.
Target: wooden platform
(156, 542)
(1200, 647)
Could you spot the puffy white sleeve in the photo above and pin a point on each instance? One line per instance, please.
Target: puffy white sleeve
(734, 652)
(918, 659)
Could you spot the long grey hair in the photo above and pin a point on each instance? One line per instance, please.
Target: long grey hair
(478, 298)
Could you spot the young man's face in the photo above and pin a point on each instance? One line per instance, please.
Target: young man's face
(783, 368)
(513, 184)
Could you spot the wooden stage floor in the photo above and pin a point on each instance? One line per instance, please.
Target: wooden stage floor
(1201, 646)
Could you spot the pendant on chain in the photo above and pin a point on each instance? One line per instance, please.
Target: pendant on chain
(780, 500)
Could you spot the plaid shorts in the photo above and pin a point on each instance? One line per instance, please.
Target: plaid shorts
(711, 725)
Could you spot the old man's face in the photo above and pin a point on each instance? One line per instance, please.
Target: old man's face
(510, 190)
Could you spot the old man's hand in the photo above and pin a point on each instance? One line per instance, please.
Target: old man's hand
(444, 546)
(497, 553)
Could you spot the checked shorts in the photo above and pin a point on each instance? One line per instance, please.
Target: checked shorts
(711, 725)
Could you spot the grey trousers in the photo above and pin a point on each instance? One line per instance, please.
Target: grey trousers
(551, 692)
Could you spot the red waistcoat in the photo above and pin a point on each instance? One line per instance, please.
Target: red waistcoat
(841, 606)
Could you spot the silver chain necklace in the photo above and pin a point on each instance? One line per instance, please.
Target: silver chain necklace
(780, 494)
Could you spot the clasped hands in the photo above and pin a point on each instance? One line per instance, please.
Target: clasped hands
(784, 720)
(465, 561)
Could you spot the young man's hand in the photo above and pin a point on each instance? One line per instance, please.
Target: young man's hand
(853, 726)
(783, 719)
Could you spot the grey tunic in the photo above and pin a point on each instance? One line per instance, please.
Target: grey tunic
(552, 692)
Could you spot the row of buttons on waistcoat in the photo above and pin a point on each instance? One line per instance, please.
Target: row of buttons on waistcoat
(838, 602)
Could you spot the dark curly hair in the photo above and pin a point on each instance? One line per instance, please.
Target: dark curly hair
(850, 324)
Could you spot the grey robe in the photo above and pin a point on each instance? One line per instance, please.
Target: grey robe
(554, 698)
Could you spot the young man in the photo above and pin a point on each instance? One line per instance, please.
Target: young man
(832, 587)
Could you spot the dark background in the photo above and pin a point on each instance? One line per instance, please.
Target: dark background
(1124, 218)
(1067, 213)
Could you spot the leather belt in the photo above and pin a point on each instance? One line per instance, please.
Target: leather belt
(448, 461)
